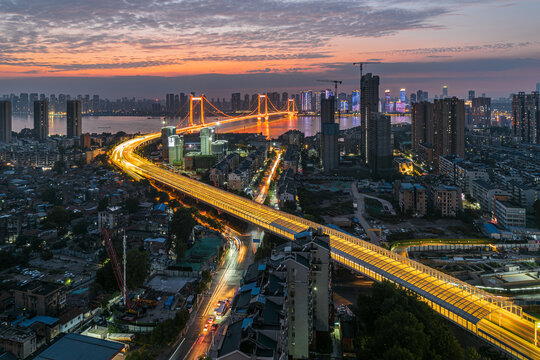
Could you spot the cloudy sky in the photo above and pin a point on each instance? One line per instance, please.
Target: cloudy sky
(149, 47)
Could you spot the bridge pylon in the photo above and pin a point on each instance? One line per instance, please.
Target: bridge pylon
(290, 107)
(193, 99)
(259, 114)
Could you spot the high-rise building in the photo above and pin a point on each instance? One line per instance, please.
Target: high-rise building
(207, 138)
(175, 145)
(448, 128)
(481, 112)
(538, 87)
(526, 117)
(74, 118)
(32, 98)
(426, 96)
(369, 102)
(306, 101)
(169, 103)
(422, 125)
(413, 98)
(316, 103)
(5, 121)
(444, 91)
(379, 144)
(355, 100)
(419, 95)
(403, 95)
(246, 102)
(235, 102)
(166, 132)
(41, 120)
(24, 103)
(471, 94)
(284, 99)
(182, 106)
(329, 135)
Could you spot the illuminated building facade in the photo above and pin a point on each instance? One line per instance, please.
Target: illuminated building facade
(355, 101)
(166, 131)
(526, 117)
(176, 149)
(207, 138)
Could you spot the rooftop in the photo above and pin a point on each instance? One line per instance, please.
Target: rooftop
(80, 347)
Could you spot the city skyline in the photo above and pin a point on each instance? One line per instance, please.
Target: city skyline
(207, 47)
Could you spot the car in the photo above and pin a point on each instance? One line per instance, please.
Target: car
(214, 327)
(205, 327)
(211, 319)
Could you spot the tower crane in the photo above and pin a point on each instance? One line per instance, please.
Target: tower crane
(120, 278)
(336, 82)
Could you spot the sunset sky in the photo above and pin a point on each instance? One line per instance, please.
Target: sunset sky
(145, 48)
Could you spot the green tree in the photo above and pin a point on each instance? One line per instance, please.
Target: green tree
(537, 212)
(180, 228)
(137, 270)
(140, 355)
(49, 195)
(173, 203)
(394, 323)
(80, 228)
(59, 216)
(132, 205)
(59, 167)
(103, 203)
(162, 196)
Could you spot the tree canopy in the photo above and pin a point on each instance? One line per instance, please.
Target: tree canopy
(180, 228)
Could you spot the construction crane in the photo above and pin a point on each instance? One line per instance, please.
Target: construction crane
(120, 280)
(336, 82)
(361, 66)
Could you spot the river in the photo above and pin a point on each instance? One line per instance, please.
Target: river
(309, 125)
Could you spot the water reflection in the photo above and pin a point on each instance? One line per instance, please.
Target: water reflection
(309, 125)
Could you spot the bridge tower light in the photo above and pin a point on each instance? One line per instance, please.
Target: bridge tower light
(201, 101)
(261, 96)
(191, 110)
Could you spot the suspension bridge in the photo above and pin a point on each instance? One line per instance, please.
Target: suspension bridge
(201, 110)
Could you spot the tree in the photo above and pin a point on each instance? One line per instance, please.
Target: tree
(137, 270)
(103, 203)
(162, 196)
(180, 228)
(46, 255)
(140, 355)
(173, 203)
(59, 166)
(59, 216)
(537, 212)
(49, 195)
(80, 228)
(132, 205)
(394, 323)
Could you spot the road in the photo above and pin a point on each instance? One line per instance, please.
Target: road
(267, 179)
(454, 299)
(360, 215)
(224, 284)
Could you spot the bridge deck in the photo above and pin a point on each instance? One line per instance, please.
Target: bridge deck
(459, 301)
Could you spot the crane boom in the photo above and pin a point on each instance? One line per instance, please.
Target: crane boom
(114, 263)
